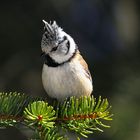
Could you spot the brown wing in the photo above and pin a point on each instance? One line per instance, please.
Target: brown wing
(84, 64)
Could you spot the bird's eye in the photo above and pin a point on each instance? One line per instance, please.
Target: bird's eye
(54, 49)
(64, 38)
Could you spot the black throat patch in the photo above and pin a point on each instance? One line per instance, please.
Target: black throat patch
(51, 63)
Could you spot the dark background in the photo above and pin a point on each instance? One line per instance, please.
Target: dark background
(107, 33)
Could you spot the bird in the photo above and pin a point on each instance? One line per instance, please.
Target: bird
(65, 73)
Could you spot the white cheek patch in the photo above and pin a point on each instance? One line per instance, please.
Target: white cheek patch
(64, 48)
(60, 57)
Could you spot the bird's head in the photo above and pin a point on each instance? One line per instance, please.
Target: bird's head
(56, 43)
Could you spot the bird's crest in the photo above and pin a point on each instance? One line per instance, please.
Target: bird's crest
(51, 31)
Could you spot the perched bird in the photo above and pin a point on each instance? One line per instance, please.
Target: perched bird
(65, 73)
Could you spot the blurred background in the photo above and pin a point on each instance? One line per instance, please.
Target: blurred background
(107, 33)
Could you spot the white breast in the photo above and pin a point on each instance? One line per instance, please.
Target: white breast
(65, 81)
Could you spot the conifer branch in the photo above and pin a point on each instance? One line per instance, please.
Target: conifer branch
(83, 115)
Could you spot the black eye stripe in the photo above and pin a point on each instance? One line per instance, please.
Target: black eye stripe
(54, 49)
(68, 46)
(64, 38)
